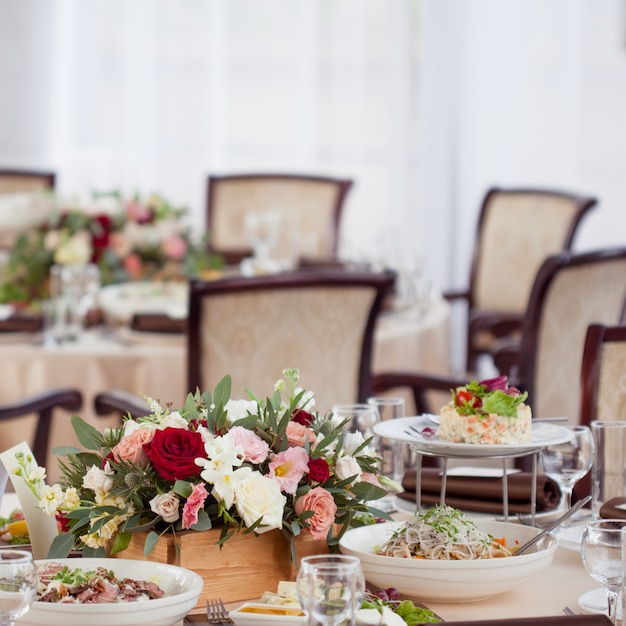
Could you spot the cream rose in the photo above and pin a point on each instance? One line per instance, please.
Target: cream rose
(98, 479)
(258, 496)
(347, 466)
(166, 505)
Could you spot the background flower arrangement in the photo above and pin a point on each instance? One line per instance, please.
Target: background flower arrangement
(128, 238)
(239, 465)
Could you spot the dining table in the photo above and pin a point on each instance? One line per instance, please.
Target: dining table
(545, 594)
(113, 356)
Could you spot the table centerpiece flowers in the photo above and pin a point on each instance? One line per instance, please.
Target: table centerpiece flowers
(128, 238)
(242, 466)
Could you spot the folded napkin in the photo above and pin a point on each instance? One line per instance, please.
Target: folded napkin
(158, 323)
(21, 323)
(556, 620)
(615, 508)
(483, 494)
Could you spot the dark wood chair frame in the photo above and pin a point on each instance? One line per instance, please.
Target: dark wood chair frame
(383, 282)
(234, 256)
(43, 405)
(504, 324)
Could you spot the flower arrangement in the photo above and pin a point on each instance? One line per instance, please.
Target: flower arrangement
(239, 465)
(129, 239)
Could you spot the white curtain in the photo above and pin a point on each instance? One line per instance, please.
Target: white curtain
(154, 95)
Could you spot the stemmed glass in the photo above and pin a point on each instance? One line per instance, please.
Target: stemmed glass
(568, 462)
(18, 584)
(330, 588)
(359, 417)
(602, 557)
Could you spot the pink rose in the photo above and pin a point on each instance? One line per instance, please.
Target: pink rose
(324, 508)
(255, 450)
(297, 434)
(130, 448)
(193, 504)
(174, 247)
(133, 265)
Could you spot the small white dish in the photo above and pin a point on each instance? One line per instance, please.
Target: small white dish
(571, 537)
(261, 614)
(595, 602)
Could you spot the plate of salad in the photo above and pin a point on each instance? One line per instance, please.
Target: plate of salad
(13, 530)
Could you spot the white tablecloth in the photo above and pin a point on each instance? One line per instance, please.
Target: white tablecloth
(156, 366)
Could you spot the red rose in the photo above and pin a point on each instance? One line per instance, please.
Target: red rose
(303, 417)
(173, 451)
(318, 471)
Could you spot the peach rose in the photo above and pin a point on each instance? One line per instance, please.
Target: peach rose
(297, 434)
(130, 448)
(324, 508)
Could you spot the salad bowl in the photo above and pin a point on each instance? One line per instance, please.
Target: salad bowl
(449, 581)
(182, 588)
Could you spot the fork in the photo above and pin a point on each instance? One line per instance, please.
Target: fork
(217, 613)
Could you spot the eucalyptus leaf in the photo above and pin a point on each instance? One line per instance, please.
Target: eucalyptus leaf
(61, 546)
(151, 541)
(87, 435)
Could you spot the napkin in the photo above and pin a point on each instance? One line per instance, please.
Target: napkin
(557, 620)
(158, 323)
(19, 322)
(483, 494)
(615, 508)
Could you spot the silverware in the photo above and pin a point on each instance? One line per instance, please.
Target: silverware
(537, 538)
(568, 611)
(217, 613)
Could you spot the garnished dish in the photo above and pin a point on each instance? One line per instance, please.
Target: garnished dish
(444, 533)
(384, 607)
(13, 529)
(61, 583)
(486, 412)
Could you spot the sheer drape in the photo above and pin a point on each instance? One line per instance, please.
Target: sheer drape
(153, 95)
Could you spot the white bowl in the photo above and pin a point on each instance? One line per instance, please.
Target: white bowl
(182, 588)
(268, 615)
(448, 581)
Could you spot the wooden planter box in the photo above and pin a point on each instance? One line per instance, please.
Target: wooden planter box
(245, 567)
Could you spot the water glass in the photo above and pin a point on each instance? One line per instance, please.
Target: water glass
(608, 474)
(18, 584)
(602, 558)
(359, 417)
(392, 452)
(330, 588)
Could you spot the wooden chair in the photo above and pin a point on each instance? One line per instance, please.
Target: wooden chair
(16, 180)
(321, 322)
(310, 205)
(122, 402)
(43, 405)
(517, 230)
(570, 292)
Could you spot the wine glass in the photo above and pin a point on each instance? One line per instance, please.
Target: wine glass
(18, 584)
(262, 230)
(602, 557)
(330, 588)
(568, 462)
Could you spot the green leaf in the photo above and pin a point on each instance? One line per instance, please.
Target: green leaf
(65, 450)
(182, 488)
(94, 553)
(221, 395)
(61, 546)
(204, 521)
(87, 435)
(151, 541)
(121, 542)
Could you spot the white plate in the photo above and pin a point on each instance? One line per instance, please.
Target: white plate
(409, 430)
(595, 602)
(120, 302)
(243, 618)
(182, 588)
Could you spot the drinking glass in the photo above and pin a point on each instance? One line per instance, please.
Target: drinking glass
(608, 471)
(331, 588)
(263, 231)
(18, 584)
(602, 557)
(390, 407)
(568, 462)
(359, 417)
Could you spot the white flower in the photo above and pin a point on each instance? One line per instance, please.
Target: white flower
(37, 475)
(307, 401)
(71, 499)
(98, 479)
(77, 250)
(347, 466)
(166, 505)
(258, 496)
(351, 441)
(50, 498)
(225, 482)
(175, 420)
(238, 409)
(130, 426)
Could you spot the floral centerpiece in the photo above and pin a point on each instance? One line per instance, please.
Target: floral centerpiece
(242, 466)
(128, 238)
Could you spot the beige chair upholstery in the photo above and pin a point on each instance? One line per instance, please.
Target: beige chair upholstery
(320, 321)
(603, 374)
(517, 230)
(310, 206)
(16, 181)
(570, 292)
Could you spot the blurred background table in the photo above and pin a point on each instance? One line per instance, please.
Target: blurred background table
(155, 364)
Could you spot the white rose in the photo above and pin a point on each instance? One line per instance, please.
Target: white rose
(175, 420)
(75, 251)
(238, 409)
(347, 466)
(352, 441)
(258, 496)
(98, 479)
(166, 505)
